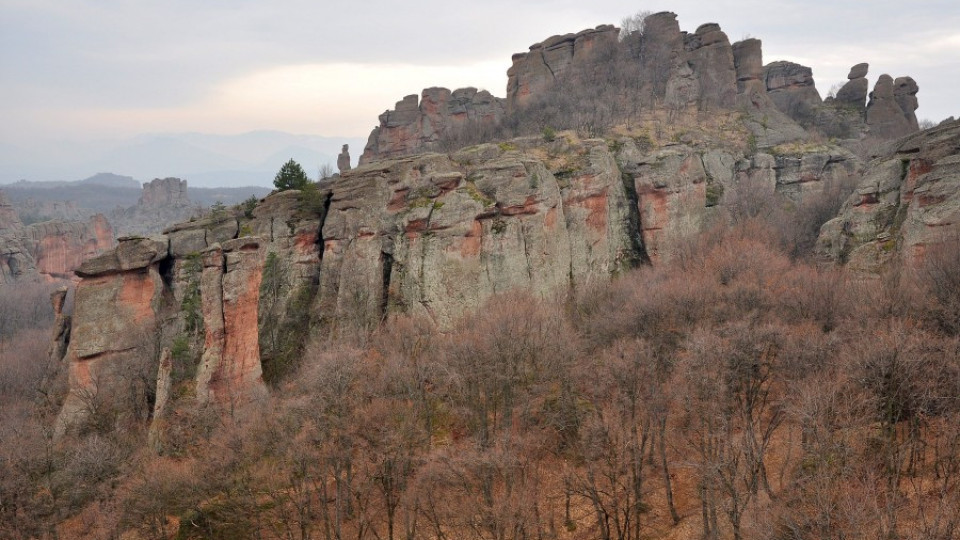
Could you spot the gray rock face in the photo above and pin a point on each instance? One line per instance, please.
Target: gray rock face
(905, 93)
(858, 71)
(163, 201)
(533, 72)
(131, 253)
(854, 93)
(343, 160)
(885, 117)
(792, 90)
(768, 125)
(907, 201)
(710, 56)
(419, 126)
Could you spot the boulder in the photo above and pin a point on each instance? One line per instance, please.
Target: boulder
(854, 92)
(131, 253)
(792, 90)
(858, 71)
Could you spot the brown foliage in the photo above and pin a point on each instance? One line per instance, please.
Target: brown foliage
(732, 390)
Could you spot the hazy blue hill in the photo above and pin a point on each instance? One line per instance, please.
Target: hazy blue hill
(112, 180)
(203, 160)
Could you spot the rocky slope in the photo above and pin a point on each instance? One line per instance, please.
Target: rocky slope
(907, 201)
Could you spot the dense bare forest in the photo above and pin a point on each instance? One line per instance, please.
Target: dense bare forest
(736, 391)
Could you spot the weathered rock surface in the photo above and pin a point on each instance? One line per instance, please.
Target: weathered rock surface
(437, 234)
(906, 202)
(854, 93)
(890, 113)
(792, 89)
(200, 290)
(539, 69)
(420, 126)
(343, 160)
(50, 249)
(710, 57)
(768, 125)
(163, 201)
(662, 66)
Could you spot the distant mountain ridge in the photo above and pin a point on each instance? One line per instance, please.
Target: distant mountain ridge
(204, 160)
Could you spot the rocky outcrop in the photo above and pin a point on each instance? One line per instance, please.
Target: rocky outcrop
(906, 202)
(890, 113)
(199, 307)
(164, 192)
(50, 249)
(437, 234)
(228, 302)
(769, 126)
(792, 90)
(602, 78)
(343, 160)
(547, 62)
(709, 55)
(425, 124)
(853, 94)
(163, 201)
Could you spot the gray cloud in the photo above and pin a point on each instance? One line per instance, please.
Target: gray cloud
(111, 54)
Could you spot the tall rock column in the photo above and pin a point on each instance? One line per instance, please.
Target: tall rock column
(885, 117)
(230, 373)
(768, 125)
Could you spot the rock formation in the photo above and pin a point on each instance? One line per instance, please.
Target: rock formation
(660, 66)
(162, 202)
(49, 249)
(792, 89)
(432, 235)
(232, 299)
(200, 292)
(768, 125)
(854, 93)
(907, 201)
(546, 63)
(343, 160)
(419, 126)
(886, 116)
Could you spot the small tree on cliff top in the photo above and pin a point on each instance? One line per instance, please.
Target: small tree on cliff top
(291, 176)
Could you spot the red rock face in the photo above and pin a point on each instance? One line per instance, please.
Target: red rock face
(112, 333)
(230, 373)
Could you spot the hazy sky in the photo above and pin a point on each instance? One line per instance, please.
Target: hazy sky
(73, 69)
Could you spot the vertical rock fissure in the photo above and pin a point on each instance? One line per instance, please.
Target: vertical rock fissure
(386, 272)
(638, 252)
(526, 250)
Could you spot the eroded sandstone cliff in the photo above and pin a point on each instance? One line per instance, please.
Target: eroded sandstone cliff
(216, 309)
(907, 201)
(50, 249)
(599, 77)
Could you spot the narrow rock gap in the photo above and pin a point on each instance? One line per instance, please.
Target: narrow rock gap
(638, 252)
(386, 273)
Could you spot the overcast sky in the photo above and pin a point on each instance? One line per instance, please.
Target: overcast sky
(74, 69)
